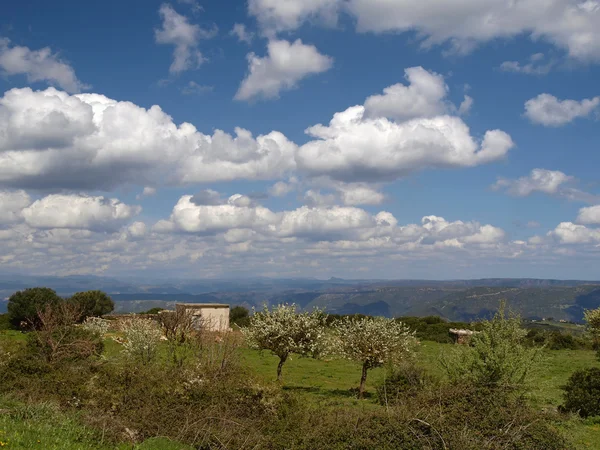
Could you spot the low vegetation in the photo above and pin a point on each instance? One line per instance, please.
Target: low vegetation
(134, 380)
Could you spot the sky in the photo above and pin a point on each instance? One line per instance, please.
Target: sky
(300, 138)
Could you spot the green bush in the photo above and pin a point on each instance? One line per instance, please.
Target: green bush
(5, 322)
(402, 381)
(65, 343)
(92, 303)
(582, 392)
(240, 316)
(24, 306)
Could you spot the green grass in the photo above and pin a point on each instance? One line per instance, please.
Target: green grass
(44, 426)
(330, 381)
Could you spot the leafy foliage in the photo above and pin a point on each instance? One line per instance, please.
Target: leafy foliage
(24, 306)
(93, 303)
(240, 316)
(372, 342)
(497, 356)
(582, 392)
(283, 331)
(592, 318)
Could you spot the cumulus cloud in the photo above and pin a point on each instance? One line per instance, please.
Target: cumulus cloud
(356, 148)
(547, 110)
(276, 15)
(423, 97)
(570, 233)
(52, 140)
(281, 189)
(177, 30)
(188, 216)
(589, 215)
(78, 212)
(571, 25)
(539, 180)
(240, 31)
(38, 65)
(551, 182)
(466, 105)
(359, 194)
(12, 205)
(286, 64)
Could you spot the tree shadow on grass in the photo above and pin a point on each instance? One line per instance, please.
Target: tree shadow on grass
(327, 393)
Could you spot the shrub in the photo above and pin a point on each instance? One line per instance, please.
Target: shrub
(239, 316)
(24, 306)
(141, 338)
(401, 381)
(93, 303)
(96, 325)
(582, 392)
(58, 339)
(497, 356)
(5, 322)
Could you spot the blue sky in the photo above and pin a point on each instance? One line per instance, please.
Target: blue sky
(464, 140)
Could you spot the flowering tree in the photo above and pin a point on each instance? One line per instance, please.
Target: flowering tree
(283, 331)
(142, 337)
(592, 317)
(373, 342)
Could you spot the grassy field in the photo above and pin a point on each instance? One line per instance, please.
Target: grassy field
(331, 381)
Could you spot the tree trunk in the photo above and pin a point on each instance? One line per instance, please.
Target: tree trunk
(363, 381)
(282, 360)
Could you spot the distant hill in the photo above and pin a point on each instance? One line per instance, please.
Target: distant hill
(460, 300)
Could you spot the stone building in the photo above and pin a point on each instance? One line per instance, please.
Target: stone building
(461, 336)
(207, 316)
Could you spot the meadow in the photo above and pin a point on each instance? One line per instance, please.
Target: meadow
(319, 382)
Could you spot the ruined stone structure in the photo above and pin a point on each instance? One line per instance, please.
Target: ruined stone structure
(207, 316)
(461, 336)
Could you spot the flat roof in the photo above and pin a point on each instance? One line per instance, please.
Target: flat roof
(203, 305)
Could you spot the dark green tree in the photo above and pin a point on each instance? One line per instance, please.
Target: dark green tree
(239, 316)
(24, 306)
(93, 303)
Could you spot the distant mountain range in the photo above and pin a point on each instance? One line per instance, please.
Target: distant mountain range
(453, 299)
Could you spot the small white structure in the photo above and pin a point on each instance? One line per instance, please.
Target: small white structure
(207, 316)
(461, 336)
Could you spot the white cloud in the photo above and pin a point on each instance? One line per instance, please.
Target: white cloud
(314, 198)
(423, 97)
(178, 31)
(137, 229)
(466, 105)
(239, 30)
(281, 189)
(547, 110)
(539, 180)
(359, 194)
(50, 140)
(285, 65)
(537, 65)
(12, 205)
(277, 15)
(569, 233)
(572, 25)
(38, 65)
(78, 212)
(190, 217)
(148, 191)
(589, 215)
(356, 148)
